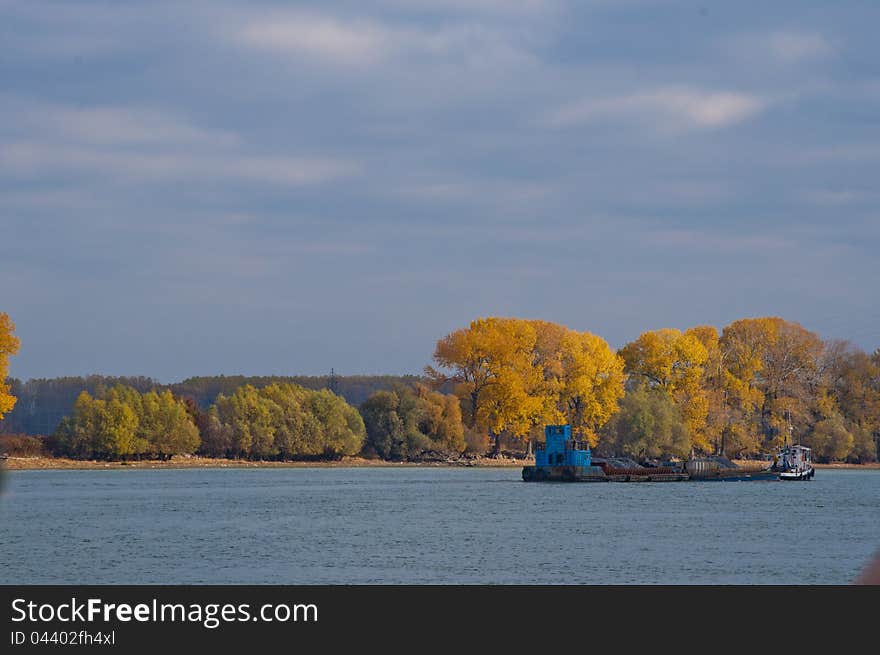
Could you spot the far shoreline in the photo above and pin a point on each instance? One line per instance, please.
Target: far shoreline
(62, 464)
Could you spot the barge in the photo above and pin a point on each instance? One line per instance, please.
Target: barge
(564, 459)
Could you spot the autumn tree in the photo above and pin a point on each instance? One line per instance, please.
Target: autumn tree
(850, 391)
(592, 383)
(513, 376)
(438, 417)
(492, 371)
(8, 346)
(547, 354)
(673, 361)
(721, 432)
(771, 370)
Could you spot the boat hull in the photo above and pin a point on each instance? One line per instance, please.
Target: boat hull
(594, 474)
(564, 474)
(731, 475)
(597, 474)
(797, 476)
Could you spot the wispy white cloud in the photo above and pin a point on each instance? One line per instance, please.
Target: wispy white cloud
(359, 42)
(142, 144)
(842, 153)
(471, 6)
(715, 241)
(123, 125)
(667, 107)
(34, 159)
(319, 36)
(796, 46)
(836, 196)
(779, 47)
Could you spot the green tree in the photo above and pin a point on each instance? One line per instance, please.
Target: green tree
(385, 429)
(75, 434)
(251, 420)
(673, 361)
(341, 424)
(124, 423)
(830, 440)
(407, 423)
(648, 425)
(172, 429)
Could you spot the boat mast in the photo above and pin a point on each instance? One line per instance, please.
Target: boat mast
(791, 431)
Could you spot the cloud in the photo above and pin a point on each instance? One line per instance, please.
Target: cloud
(844, 153)
(836, 196)
(34, 159)
(470, 6)
(359, 42)
(670, 107)
(796, 46)
(780, 47)
(722, 243)
(123, 125)
(143, 144)
(319, 36)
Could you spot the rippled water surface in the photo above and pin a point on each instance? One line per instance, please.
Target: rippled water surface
(429, 525)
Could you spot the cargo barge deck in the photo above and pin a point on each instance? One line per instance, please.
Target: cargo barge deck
(563, 459)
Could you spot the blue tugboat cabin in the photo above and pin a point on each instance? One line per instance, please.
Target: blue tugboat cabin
(561, 450)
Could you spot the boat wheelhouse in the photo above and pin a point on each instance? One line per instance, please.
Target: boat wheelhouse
(795, 463)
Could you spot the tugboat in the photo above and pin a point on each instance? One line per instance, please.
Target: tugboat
(565, 459)
(795, 463)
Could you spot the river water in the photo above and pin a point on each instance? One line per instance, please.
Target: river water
(429, 525)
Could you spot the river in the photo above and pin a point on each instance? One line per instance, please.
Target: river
(429, 525)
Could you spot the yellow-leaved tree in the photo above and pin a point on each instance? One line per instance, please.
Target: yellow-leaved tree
(8, 346)
(491, 364)
(772, 369)
(674, 361)
(514, 375)
(592, 383)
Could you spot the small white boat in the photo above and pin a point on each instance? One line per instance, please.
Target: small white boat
(795, 463)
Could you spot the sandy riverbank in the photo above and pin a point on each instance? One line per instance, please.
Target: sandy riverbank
(833, 465)
(38, 463)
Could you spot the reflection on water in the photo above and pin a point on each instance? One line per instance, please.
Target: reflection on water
(428, 525)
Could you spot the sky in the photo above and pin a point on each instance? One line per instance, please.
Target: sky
(284, 188)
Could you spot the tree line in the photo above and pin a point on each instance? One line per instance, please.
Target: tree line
(43, 402)
(280, 421)
(743, 391)
(124, 423)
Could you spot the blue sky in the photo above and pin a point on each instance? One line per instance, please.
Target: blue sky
(282, 188)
